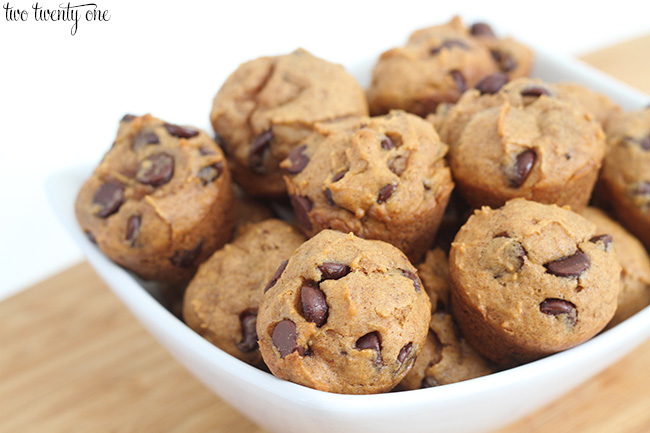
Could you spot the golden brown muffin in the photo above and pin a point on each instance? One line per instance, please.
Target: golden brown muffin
(345, 315)
(269, 105)
(222, 299)
(381, 178)
(529, 280)
(161, 200)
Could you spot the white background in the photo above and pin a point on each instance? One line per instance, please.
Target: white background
(61, 96)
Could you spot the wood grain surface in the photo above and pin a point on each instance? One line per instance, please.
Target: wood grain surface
(73, 359)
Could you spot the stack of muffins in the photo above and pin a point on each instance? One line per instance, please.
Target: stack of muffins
(383, 276)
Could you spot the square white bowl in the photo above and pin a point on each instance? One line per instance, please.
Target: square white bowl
(477, 405)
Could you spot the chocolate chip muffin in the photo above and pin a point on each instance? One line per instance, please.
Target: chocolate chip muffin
(343, 315)
(634, 294)
(446, 357)
(161, 200)
(529, 280)
(528, 139)
(222, 299)
(626, 171)
(269, 105)
(439, 63)
(381, 178)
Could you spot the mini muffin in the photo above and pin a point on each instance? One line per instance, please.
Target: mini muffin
(598, 104)
(528, 140)
(439, 63)
(626, 171)
(446, 357)
(381, 178)
(222, 299)
(344, 315)
(269, 105)
(161, 200)
(529, 280)
(635, 264)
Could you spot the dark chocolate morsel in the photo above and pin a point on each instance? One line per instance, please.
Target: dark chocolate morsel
(371, 341)
(186, 258)
(523, 166)
(133, 228)
(248, 320)
(482, 29)
(492, 83)
(210, 173)
(285, 338)
(145, 138)
(338, 176)
(301, 207)
(297, 159)
(404, 353)
(605, 239)
(556, 307)
(276, 276)
(459, 80)
(570, 266)
(128, 118)
(110, 196)
(181, 131)
(256, 152)
(535, 91)
(156, 170)
(385, 192)
(333, 271)
(449, 44)
(314, 304)
(411, 276)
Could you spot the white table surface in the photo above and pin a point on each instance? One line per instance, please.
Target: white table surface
(61, 96)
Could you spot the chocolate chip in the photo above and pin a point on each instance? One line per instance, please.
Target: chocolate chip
(645, 142)
(330, 198)
(391, 140)
(301, 207)
(449, 44)
(333, 271)
(181, 131)
(314, 305)
(248, 320)
(429, 382)
(491, 84)
(209, 173)
(133, 228)
(128, 118)
(276, 276)
(605, 239)
(411, 276)
(90, 236)
(145, 138)
(387, 143)
(570, 266)
(523, 167)
(256, 153)
(482, 29)
(371, 341)
(405, 353)
(459, 80)
(338, 176)
(556, 307)
(386, 192)
(156, 170)
(297, 159)
(535, 91)
(204, 151)
(505, 61)
(186, 258)
(110, 196)
(521, 253)
(285, 338)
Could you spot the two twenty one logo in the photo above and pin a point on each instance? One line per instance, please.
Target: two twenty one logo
(70, 13)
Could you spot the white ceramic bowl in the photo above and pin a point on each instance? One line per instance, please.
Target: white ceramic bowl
(478, 405)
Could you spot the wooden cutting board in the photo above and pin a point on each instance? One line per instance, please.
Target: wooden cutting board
(73, 359)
